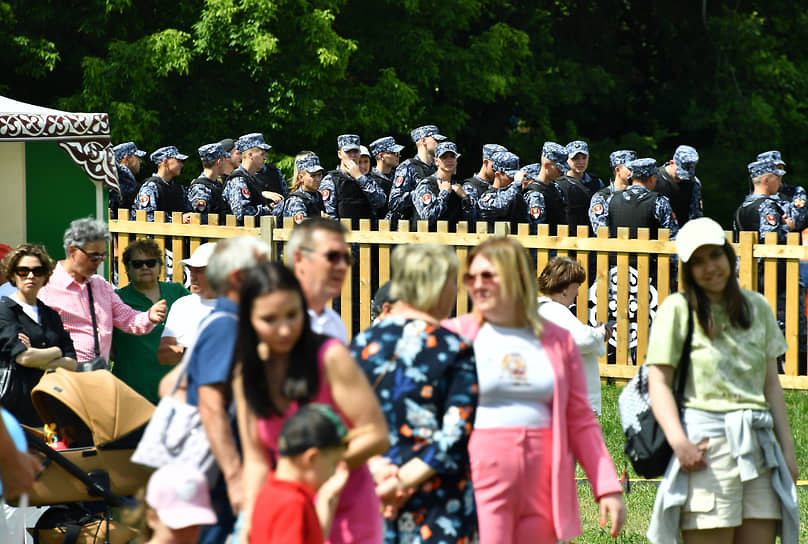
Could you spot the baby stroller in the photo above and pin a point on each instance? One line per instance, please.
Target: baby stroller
(101, 420)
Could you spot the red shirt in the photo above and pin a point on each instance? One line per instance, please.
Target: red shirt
(284, 514)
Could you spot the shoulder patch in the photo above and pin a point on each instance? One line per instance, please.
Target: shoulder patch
(597, 209)
(426, 198)
(799, 202)
(299, 217)
(486, 197)
(326, 193)
(535, 212)
(245, 192)
(399, 181)
(772, 219)
(144, 200)
(201, 204)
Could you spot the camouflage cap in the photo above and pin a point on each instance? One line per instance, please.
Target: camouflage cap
(505, 162)
(773, 155)
(168, 152)
(575, 147)
(386, 144)
(446, 147)
(211, 152)
(490, 149)
(621, 157)
(309, 164)
(347, 142)
(125, 149)
(642, 168)
(556, 153)
(425, 132)
(685, 158)
(249, 141)
(764, 166)
(532, 170)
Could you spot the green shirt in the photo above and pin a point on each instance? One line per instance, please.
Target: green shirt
(136, 356)
(727, 372)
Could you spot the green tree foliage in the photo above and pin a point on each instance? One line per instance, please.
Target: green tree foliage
(724, 77)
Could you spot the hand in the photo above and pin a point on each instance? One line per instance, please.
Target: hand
(519, 177)
(788, 221)
(333, 486)
(18, 473)
(691, 456)
(392, 495)
(186, 218)
(24, 339)
(382, 469)
(445, 185)
(613, 506)
(235, 491)
(272, 196)
(352, 169)
(158, 311)
(458, 189)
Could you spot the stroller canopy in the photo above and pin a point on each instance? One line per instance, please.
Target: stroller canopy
(107, 406)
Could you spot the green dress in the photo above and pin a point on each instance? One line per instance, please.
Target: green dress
(135, 357)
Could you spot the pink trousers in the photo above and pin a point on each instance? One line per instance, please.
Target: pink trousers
(510, 469)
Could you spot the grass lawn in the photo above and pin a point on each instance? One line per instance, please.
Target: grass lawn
(640, 499)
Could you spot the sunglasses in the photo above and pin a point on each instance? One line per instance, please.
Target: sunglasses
(334, 257)
(37, 271)
(486, 277)
(94, 256)
(140, 263)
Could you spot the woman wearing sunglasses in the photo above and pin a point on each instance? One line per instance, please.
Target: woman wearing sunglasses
(533, 420)
(32, 338)
(135, 356)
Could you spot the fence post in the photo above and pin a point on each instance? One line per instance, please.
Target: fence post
(267, 230)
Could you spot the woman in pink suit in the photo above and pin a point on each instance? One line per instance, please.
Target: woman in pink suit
(533, 420)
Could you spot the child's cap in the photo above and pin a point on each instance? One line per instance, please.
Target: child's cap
(314, 426)
(180, 496)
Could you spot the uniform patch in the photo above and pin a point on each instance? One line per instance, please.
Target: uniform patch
(245, 192)
(535, 211)
(399, 181)
(486, 197)
(426, 198)
(799, 202)
(201, 204)
(326, 193)
(299, 217)
(144, 200)
(772, 219)
(597, 209)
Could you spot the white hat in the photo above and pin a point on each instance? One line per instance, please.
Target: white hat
(201, 256)
(696, 233)
(180, 496)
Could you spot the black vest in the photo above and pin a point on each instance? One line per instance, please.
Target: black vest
(747, 217)
(170, 196)
(351, 199)
(554, 205)
(679, 194)
(578, 198)
(516, 212)
(312, 201)
(386, 184)
(255, 191)
(480, 185)
(269, 178)
(216, 202)
(636, 211)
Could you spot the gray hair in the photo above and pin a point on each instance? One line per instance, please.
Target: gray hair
(231, 254)
(420, 273)
(303, 232)
(85, 230)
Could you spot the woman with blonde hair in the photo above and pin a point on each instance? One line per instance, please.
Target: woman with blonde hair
(533, 420)
(424, 378)
(305, 199)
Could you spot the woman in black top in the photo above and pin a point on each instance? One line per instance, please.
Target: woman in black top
(32, 337)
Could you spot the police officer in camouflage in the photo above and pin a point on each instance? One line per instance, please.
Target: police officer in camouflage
(793, 196)
(400, 203)
(677, 180)
(305, 200)
(598, 206)
(640, 206)
(271, 183)
(161, 192)
(346, 191)
(127, 162)
(440, 197)
(481, 181)
(577, 185)
(544, 200)
(205, 192)
(241, 193)
(387, 153)
(503, 200)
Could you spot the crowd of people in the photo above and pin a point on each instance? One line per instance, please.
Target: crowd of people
(397, 434)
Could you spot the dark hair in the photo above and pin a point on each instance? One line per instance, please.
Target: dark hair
(737, 307)
(14, 257)
(302, 379)
(147, 246)
(560, 273)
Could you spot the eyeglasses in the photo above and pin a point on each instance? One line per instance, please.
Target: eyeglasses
(94, 256)
(140, 263)
(334, 256)
(37, 271)
(486, 276)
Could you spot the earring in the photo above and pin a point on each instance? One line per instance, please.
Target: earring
(263, 351)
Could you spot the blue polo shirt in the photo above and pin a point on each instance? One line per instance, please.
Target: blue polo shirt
(213, 351)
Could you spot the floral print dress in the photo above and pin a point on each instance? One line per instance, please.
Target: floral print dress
(427, 388)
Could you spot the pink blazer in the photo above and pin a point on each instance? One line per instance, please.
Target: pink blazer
(576, 432)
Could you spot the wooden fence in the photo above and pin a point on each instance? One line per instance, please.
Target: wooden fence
(623, 262)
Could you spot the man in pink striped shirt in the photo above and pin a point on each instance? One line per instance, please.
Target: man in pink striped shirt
(68, 292)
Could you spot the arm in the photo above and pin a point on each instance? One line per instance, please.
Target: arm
(39, 357)
(598, 212)
(329, 196)
(696, 209)
(357, 401)
(17, 468)
(325, 504)
(535, 208)
(428, 205)
(665, 216)
(373, 192)
(213, 413)
(400, 200)
(782, 430)
(146, 200)
(169, 352)
(124, 317)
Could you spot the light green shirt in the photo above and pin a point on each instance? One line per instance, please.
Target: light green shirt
(727, 372)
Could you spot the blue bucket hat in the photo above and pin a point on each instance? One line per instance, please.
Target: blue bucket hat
(556, 153)
(211, 152)
(168, 152)
(490, 149)
(386, 144)
(309, 164)
(446, 147)
(425, 132)
(642, 168)
(249, 141)
(125, 149)
(347, 142)
(622, 156)
(505, 162)
(685, 158)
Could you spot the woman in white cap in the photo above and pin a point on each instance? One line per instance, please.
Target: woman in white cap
(177, 505)
(731, 478)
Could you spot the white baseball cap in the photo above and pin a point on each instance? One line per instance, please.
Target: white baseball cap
(702, 231)
(180, 496)
(201, 256)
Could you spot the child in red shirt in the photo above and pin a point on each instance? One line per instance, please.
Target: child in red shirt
(311, 445)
